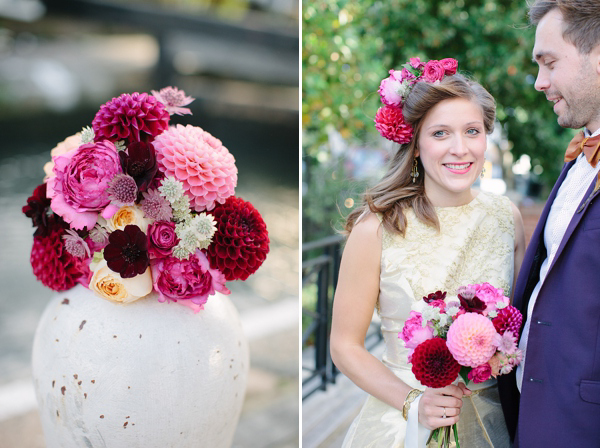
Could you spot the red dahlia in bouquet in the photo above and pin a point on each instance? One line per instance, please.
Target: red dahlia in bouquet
(474, 336)
(134, 205)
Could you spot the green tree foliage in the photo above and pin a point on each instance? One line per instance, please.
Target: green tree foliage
(349, 46)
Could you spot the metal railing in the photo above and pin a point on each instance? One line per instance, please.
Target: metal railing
(321, 265)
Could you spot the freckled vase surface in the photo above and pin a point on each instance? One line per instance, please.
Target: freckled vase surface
(146, 374)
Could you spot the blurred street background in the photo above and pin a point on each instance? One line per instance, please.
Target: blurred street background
(59, 61)
(347, 49)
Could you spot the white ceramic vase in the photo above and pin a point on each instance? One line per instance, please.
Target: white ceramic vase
(146, 374)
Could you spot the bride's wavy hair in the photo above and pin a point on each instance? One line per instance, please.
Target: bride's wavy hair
(396, 191)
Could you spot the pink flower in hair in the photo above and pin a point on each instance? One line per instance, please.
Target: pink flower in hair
(416, 63)
(433, 71)
(450, 65)
(389, 121)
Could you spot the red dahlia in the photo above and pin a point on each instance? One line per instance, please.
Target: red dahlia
(508, 319)
(132, 117)
(241, 242)
(433, 364)
(389, 121)
(52, 264)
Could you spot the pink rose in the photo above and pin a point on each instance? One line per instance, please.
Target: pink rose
(450, 65)
(390, 89)
(79, 188)
(480, 373)
(433, 71)
(183, 280)
(161, 239)
(416, 63)
(489, 295)
(413, 332)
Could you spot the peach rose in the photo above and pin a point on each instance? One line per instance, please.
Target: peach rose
(111, 286)
(128, 214)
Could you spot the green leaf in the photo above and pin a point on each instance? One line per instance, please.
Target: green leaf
(464, 372)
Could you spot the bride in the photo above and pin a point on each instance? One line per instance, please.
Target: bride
(422, 229)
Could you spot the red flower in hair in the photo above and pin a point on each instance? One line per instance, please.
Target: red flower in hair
(433, 364)
(389, 121)
(241, 242)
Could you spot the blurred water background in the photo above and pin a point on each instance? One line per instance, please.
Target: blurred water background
(59, 61)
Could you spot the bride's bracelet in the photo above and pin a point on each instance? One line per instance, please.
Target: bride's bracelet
(412, 396)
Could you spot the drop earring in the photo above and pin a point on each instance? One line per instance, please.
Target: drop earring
(483, 170)
(414, 173)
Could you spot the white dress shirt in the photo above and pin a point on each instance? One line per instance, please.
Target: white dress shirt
(569, 196)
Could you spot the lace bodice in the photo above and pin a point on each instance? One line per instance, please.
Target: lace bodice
(475, 244)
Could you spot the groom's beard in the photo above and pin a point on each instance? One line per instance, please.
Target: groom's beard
(581, 101)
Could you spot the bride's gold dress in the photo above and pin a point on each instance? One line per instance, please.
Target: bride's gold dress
(475, 245)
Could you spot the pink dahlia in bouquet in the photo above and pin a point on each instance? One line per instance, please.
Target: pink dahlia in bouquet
(473, 337)
(135, 205)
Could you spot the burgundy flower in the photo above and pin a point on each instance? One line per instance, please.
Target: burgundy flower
(134, 117)
(508, 319)
(53, 265)
(438, 295)
(471, 303)
(140, 163)
(433, 364)
(127, 251)
(241, 242)
(37, 208)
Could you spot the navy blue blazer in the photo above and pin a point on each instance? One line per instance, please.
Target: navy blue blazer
(559, 404)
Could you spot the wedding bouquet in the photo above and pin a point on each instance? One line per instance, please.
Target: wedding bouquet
(474, 337)
(133, 205)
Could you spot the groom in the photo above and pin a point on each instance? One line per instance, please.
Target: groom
(553, 397)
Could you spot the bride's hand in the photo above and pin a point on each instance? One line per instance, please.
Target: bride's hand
(435, 403)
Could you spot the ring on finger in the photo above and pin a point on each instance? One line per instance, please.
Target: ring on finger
(444, 416)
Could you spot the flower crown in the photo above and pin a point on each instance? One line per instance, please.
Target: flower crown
(393, 90)
(133, 205)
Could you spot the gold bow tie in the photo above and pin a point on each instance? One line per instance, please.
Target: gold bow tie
(590, 146)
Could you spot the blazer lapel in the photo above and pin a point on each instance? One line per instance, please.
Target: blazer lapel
(581, 209)
(536, 253)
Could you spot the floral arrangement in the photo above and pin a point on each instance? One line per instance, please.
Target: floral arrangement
(393, 90)
(133, 205)
(474, 337)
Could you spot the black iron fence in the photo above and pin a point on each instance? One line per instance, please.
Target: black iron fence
(320, 267)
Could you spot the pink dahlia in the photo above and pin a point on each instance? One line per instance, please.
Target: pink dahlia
(53, 265)
(132, 117)
(241, 242)
(471, 339)
(390, 123)
(508, 319)
(200, 162)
